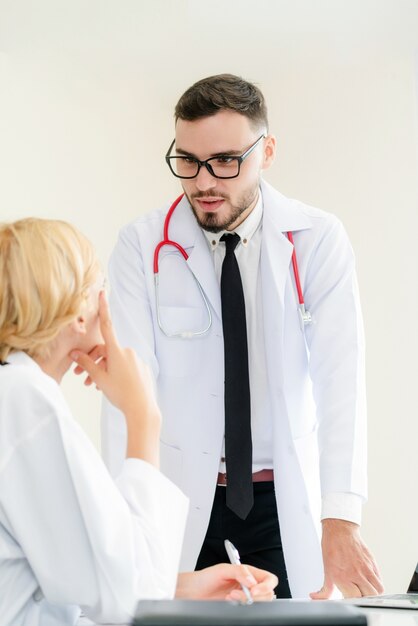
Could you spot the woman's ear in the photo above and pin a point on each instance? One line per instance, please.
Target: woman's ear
(78, 326)
(269, 151)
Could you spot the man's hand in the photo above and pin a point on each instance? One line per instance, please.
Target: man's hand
(223, 582)
(348, 564)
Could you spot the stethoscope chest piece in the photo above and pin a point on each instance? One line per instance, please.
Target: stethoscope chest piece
(305, 317)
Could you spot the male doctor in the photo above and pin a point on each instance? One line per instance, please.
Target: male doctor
(263, 399)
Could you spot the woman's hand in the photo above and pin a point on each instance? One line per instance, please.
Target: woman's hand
(223, 582)
(128, 385)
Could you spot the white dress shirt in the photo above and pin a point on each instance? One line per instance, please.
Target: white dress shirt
(336, 505)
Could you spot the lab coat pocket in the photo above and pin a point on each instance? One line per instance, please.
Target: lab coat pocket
(185, 320)
(179, 355)
(171, 462)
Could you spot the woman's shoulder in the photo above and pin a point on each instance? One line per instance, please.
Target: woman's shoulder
(28, 396)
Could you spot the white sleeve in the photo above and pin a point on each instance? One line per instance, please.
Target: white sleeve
(132, 319)
(345, 506)
(89, 541)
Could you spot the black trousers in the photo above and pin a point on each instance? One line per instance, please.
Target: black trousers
(256, 538)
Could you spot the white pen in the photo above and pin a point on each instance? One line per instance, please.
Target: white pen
(234, 557)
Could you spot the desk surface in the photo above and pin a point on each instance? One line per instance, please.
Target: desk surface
(391, 617)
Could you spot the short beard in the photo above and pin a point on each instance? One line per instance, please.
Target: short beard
(210, 221)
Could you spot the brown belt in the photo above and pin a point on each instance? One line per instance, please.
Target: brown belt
(265, 475)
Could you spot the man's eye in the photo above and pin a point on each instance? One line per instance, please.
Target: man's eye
(224, 160)
(188, 160)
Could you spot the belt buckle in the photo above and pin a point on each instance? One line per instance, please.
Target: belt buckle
(224, 479)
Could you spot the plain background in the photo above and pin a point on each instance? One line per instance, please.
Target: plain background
(87, 91)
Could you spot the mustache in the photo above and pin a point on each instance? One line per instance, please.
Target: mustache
(209, 194)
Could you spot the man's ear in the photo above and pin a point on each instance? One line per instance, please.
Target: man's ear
(78, 326)
(269, 153)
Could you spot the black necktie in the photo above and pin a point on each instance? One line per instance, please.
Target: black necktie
(238, 446)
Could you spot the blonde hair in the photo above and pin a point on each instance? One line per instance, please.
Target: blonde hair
(46, 270)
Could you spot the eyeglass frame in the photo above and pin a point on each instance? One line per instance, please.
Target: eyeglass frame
(239, 158)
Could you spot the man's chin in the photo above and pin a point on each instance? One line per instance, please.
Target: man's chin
(211, 228)
(209, 222)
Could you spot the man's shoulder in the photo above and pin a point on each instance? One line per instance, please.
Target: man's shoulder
(148, 229)
(318, 218)
(293, 214)
(145, 227)
(151, 218)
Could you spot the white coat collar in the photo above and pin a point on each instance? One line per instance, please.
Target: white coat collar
(21, 358)
(285, 214)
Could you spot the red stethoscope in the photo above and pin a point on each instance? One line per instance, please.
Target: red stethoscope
(305, 316)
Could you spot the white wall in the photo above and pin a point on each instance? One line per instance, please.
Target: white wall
(87, 90)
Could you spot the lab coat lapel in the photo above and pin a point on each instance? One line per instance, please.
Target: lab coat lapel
(280, 215)
(185, 230)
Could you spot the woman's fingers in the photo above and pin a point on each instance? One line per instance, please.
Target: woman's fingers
(94, 370)
(260, 583)
(266, 584)
(106, 326)
(102, 365)
(98, 352)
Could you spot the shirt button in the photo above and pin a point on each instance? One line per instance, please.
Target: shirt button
(38, 595)
(244, 241)
(223, 459)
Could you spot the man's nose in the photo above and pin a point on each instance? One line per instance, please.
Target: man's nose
(204, 180)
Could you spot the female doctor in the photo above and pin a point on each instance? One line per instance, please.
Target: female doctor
(70, 537)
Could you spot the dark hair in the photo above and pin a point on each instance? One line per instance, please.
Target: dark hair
(219, 93)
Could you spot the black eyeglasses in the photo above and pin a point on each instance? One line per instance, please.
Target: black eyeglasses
(220, 166)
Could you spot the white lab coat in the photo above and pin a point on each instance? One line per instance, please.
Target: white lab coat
(69, 536)
(316, 377)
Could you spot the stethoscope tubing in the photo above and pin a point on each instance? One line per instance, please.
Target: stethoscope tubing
(166, 241)
(296, 269)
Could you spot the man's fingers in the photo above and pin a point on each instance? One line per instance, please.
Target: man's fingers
(369, 583)
(324, 593)
(350, 590)
(365, 588)
(374, 584)
(377, 580)
(357, 588)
